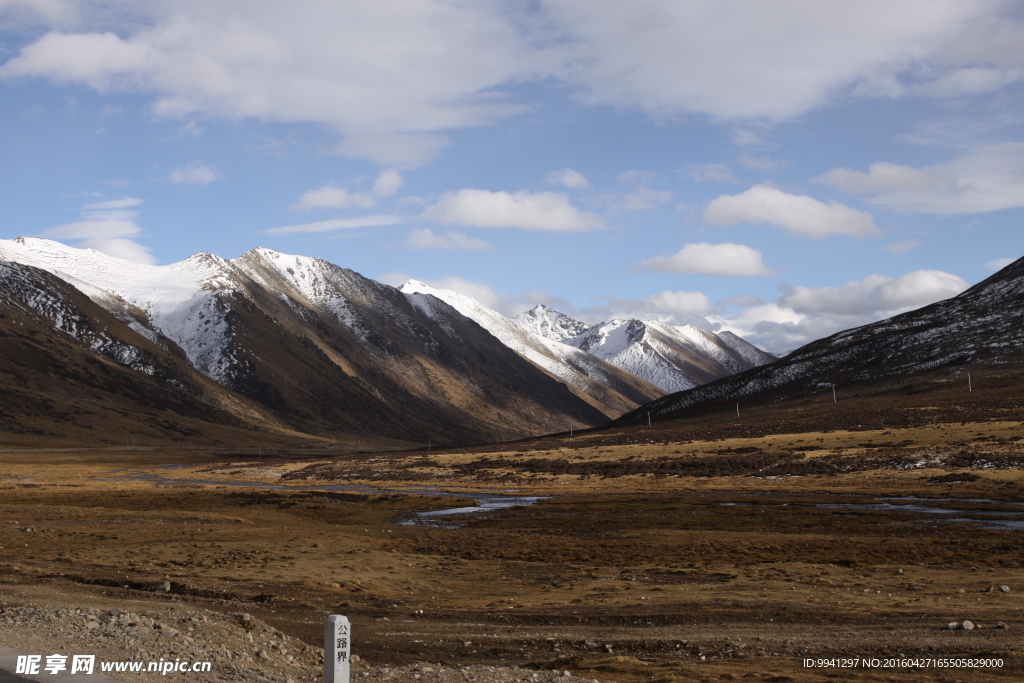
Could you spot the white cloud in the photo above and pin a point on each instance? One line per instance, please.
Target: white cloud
(387, 183)
(331, 197)
(674, 308)
(686, 303)
(876, 294)
(108, 227)
(424, 238)
(761, 163)
(711, 259)
(388, 81)
(804, 314)
(195, 173)
(333, 224)
(734, 60)
(388, 148)
(641, 199)
(797, 213)
(635, 177)
(902, 247)
(567, 177)
(718, 173)
(999, 263)
(391, 82)
(987, 178)
(547, 211)
(742, 301)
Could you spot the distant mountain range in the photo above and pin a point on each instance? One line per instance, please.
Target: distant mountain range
(270, 341)
(671, 358)
(983, 326)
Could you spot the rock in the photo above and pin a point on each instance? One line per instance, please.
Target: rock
(566, 673)
(161, 586)
(953, 625)
(1004, 589)
(1002, 625)
(427, 669)
(92, 625)
(262, 654)
(967, 625)
(899, 571)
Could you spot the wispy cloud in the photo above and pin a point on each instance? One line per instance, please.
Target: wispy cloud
(567, 177)
(333, 224)
(109, 227)
(987, 178)
(540, 211)
(195, 173)
(902, 247)
(424, 238)
(332, 197)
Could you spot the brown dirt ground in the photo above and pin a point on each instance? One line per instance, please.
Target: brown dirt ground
(652, 558)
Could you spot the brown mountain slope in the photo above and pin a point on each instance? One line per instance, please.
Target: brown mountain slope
(303, 344)
(69, 369)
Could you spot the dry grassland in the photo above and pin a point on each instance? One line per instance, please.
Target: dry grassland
(648, 558)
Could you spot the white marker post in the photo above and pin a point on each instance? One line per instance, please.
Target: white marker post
(337, 647)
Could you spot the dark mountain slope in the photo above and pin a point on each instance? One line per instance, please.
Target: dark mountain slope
(69, 368)
(983, 327)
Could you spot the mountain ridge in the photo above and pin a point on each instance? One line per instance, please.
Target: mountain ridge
(322, 347)
(984, 325)
(673, 358)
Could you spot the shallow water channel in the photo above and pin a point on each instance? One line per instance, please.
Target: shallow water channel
(491, 500)
(931, 506)
(486, 501)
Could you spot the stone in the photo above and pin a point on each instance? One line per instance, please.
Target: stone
(1004, 589)
(161, 586)
(337, 649)
(1002, 625)
(967, 625)
(953, 625)
(263, 654)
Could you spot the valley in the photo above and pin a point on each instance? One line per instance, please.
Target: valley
(693, 550)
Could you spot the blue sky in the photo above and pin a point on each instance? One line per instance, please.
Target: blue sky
(783, 169)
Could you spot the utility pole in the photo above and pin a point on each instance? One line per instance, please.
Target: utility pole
(737, 410)
(969, 382)
(834, 394)
(648, 418)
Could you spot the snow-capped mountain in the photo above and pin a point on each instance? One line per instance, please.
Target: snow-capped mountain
(550, 323)
(671, 358)
(69, 368)
(601, 384)
(982, 326)
(319, 346)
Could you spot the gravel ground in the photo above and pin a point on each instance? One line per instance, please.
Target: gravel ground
(239, 647)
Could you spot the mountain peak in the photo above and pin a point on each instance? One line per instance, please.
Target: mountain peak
(549, 323)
